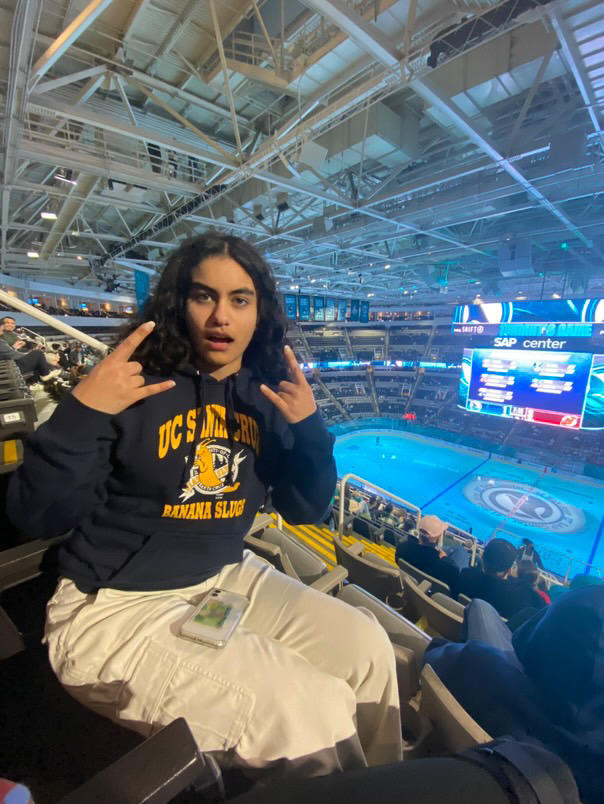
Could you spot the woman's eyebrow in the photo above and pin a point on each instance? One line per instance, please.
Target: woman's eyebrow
(237, 292)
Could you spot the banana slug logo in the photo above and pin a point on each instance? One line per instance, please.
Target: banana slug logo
(208, 473)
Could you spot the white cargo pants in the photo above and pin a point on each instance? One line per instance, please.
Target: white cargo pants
(306, 685)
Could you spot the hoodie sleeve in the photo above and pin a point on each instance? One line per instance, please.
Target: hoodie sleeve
(65, 466)
(306, 472)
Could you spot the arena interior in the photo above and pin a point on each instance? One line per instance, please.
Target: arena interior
(425, 180)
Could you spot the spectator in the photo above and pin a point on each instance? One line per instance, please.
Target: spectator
(492, 582)
(528, 574)
(9, 335)
(34, 361)
(528, 551)
(427, 555)
(159, 461)
(544, 682)
(75, 354)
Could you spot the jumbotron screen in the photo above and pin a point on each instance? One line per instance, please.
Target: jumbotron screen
(565, 389)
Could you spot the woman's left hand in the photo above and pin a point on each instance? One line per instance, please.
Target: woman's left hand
(295, 399)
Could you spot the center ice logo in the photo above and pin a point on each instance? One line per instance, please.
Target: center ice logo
(521, 502)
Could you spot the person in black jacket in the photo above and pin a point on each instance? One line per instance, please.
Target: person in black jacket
(528, 552)
(493, 583)
(159, 461)
(426, 553)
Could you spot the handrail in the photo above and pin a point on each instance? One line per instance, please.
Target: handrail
(44, 318)
(369, 484)
(544, 549)
(459, 533)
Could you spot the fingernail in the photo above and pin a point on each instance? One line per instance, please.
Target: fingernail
(149, 324)
(288, 348)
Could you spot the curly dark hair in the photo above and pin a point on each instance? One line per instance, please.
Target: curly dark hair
(169, 346)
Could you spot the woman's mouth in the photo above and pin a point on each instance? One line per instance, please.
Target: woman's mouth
(219, 343)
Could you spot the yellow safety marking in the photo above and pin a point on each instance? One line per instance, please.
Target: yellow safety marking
(9, 452)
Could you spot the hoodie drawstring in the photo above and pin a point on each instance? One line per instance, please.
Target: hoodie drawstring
(232, 424)
(200, 408)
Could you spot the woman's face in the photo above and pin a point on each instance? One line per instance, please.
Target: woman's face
(222, 312)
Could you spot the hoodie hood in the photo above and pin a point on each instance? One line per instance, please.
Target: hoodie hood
(562, 649)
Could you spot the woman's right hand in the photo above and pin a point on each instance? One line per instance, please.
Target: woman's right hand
(116, 382)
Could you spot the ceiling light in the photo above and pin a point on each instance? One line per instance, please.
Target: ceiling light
(405, 292)
(79, 257)
(387, 266)
(369, 295)
(63, 178)
(74, 233)
(48, 216)
(556, 296)
(33, 254)
(520, 297)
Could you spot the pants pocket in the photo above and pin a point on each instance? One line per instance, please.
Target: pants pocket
(161, 687)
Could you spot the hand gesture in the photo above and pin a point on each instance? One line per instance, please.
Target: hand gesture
(18, 344)
(116, 382)
(295, 399)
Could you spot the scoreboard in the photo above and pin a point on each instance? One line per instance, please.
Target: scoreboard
(535, 361)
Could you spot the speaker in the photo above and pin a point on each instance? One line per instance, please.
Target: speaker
(515, 258)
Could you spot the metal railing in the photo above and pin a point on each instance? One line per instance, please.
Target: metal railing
(367, 484)
(51, 321)
(560, 564)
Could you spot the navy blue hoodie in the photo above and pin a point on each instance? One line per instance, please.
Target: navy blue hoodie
(161, 495)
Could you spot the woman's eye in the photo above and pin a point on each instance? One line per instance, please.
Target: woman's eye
(240, 301)
(200, 297)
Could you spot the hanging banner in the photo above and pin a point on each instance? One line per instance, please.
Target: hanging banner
(141, 288)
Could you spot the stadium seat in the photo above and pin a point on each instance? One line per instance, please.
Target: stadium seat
(449, 727)
(442, 620)
(464, 599)
(408, 640)
(447, 602)
(308, 566)
(371, 573)
(367, 530)
(414, 572)
(155, 772)
(293, 559)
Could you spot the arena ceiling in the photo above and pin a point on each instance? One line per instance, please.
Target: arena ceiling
(315, 128)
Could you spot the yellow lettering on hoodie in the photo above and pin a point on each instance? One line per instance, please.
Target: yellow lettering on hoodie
(191, 422)
(175, 438)
(164, 439)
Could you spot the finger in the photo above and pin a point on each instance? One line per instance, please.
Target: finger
(127, 347)
(156, 388)
(275, 399)
(297, 375)
(287, 387)
(138, 381)
(134, 367)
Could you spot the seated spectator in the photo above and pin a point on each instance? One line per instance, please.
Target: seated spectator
(544, 682)
(426, 554)
(34, 361)
(493, 584)
(8, 333)
(528, 551)
(388, 518)
(528, 573)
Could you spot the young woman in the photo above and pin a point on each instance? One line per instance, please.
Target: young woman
(159, 460)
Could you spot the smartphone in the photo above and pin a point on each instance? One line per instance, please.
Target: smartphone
(215, 619)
